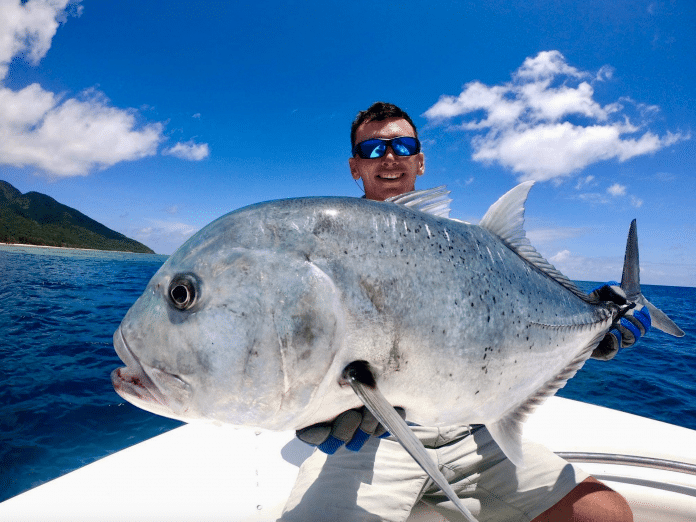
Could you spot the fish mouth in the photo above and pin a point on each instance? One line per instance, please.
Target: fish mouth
(132, 382)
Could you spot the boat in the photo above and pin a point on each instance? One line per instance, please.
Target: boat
(210, 473)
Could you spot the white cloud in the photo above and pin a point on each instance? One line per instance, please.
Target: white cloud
(163, 237)
(617, 190)
(582, 268)
(610, 196)
(601, 269)
(545, 124)
(544, 236)
(60, 135)
(189, 151)
(586, 181)
(72, 137)
(561, 257)
(173, 229)
(64, 137)
(28, 29)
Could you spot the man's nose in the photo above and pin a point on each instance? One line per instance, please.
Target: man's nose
(389, 156)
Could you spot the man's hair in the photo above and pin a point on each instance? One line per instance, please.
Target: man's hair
(377, 112)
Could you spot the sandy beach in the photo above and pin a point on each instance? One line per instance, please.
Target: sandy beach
(23, 245)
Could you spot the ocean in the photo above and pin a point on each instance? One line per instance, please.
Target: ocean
(58, 410)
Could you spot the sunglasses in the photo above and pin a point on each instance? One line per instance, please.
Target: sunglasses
(377, 147)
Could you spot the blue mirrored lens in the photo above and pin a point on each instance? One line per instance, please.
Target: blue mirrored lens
(376, 148)
(371, 149)
(404, 146)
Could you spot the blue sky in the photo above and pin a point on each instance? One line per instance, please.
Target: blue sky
(156, 117)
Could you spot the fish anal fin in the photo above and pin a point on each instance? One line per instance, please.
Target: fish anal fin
(507, 434)
(507, 431)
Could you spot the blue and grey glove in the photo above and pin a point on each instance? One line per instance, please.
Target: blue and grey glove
(352, 428)
(627, 329)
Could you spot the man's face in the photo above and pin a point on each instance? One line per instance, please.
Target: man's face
(389, 175)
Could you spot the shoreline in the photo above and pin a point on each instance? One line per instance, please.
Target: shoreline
(75, 248)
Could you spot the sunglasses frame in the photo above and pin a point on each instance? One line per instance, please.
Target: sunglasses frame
(388, 143)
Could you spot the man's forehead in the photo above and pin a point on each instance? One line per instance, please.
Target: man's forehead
(388, 128)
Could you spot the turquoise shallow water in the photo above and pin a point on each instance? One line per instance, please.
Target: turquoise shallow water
(58, 411)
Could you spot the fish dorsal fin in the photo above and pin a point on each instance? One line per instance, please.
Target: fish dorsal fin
(432, 201)
(505, 219)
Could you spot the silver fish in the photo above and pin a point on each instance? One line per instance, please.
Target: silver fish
(262, 318)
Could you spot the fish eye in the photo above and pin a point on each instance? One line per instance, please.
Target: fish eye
(182, 292)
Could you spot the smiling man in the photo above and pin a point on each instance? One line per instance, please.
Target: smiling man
(386, 151)
(376, 480)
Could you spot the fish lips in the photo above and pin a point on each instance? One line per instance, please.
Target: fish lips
(148, 388)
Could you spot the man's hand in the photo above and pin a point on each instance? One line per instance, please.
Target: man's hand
(626, 330)
(352, 428)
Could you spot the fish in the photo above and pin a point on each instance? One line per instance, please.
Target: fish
(284, 314)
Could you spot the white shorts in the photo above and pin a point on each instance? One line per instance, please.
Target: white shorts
(382, 482)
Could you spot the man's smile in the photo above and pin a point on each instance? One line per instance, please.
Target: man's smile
(390, 175)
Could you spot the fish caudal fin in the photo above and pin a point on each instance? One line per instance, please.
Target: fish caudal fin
(359, 376)
(630, 283)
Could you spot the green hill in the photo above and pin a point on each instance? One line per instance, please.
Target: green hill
(37, 219)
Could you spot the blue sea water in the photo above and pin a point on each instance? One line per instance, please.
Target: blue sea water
(58, 411)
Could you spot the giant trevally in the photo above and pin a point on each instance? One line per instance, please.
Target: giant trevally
(273, 314)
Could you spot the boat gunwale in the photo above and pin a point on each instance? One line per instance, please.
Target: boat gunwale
(627, 460)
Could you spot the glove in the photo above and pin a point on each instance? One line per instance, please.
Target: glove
(627, 329)
(352, 428)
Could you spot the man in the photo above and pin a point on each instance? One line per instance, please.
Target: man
(378, 480)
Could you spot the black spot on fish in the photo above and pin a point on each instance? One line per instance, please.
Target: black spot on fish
(394, 362)
(203, 360)
(373, 289)
(326, 225)
(304, 330)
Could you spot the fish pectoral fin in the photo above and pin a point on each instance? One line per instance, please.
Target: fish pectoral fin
(361, 379)
(507, 434)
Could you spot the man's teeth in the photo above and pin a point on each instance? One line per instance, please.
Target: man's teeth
(391, 176)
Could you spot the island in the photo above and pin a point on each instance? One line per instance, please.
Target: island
(38, 219)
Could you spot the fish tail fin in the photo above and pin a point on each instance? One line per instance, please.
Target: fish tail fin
(630, 283)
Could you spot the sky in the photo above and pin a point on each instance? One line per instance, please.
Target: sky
(156, 117)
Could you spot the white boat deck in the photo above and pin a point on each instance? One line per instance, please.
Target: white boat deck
(203, 472)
